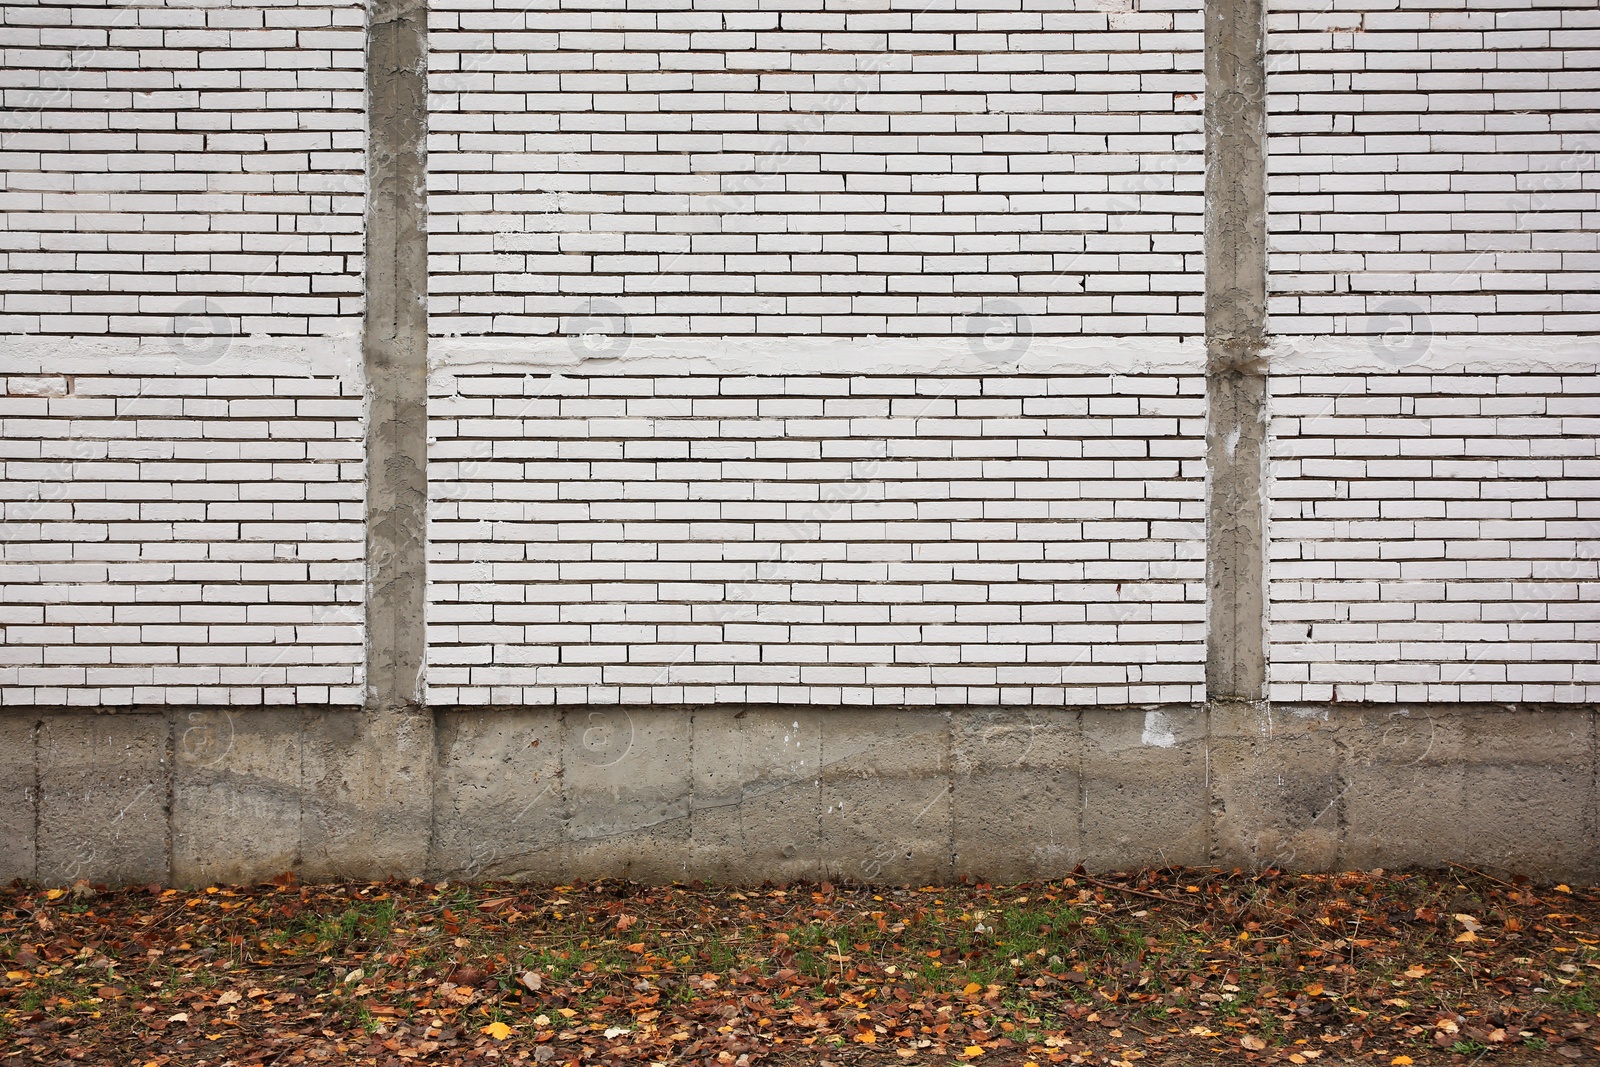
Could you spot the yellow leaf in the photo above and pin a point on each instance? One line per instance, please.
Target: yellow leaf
(566, 1012)
(972, 1052)
(865, 1037)
(54, 894)
(1401, 1061)
(1295, 1057)
(1314, 989)
(1559, 889)
(497, 1030)
(17, 976)
(973, 987)
(1465, 936)
(1416, 970)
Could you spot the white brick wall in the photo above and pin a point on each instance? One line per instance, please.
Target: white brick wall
(181, 161)
(883, 168)
(802, 476)
(172, 539)
(817, 540)
(1435, 537)
(1433, 166)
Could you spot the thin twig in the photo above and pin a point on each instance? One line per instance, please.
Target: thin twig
(1491, 878)
(1142, 893)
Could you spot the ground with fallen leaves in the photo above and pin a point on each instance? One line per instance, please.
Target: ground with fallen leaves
(1171, 966)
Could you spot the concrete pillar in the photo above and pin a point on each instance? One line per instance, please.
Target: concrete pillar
(1236, 330)
(371, 793)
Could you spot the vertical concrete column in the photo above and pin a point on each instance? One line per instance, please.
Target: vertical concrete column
(1274, 781)
(1236, 322)
(370, 785)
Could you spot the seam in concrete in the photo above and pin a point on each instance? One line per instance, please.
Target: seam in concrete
(169, 772)
(36, 736)
(1083, 792)
(1236, 331)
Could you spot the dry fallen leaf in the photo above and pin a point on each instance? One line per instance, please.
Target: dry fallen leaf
(497, 1030)
(532, 981)
(1252, 1042)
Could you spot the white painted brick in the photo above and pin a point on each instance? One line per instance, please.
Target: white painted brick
(855, 593)
(171, 575)
(1379, 142)
(1410, 600)
(835, 175)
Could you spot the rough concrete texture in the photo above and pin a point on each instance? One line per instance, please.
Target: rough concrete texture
(236, 772)
(102, 800)
(1511, 790)
(756, 771)
(395, 351)
(1236, 325)
(368, 789)
(1277, 786)
(18, 792)
(1236, 543)
(1144, 787)
(737, 795)
(1236, 184)
(498, 808)
(369, 803)
(1015, 787)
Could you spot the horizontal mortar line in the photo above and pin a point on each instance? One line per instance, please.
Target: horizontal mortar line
(781, 336)
(1023, 39)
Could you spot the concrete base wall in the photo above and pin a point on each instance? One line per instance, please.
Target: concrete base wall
(746, 794)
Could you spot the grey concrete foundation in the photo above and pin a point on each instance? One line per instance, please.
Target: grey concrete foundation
(746, 795)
